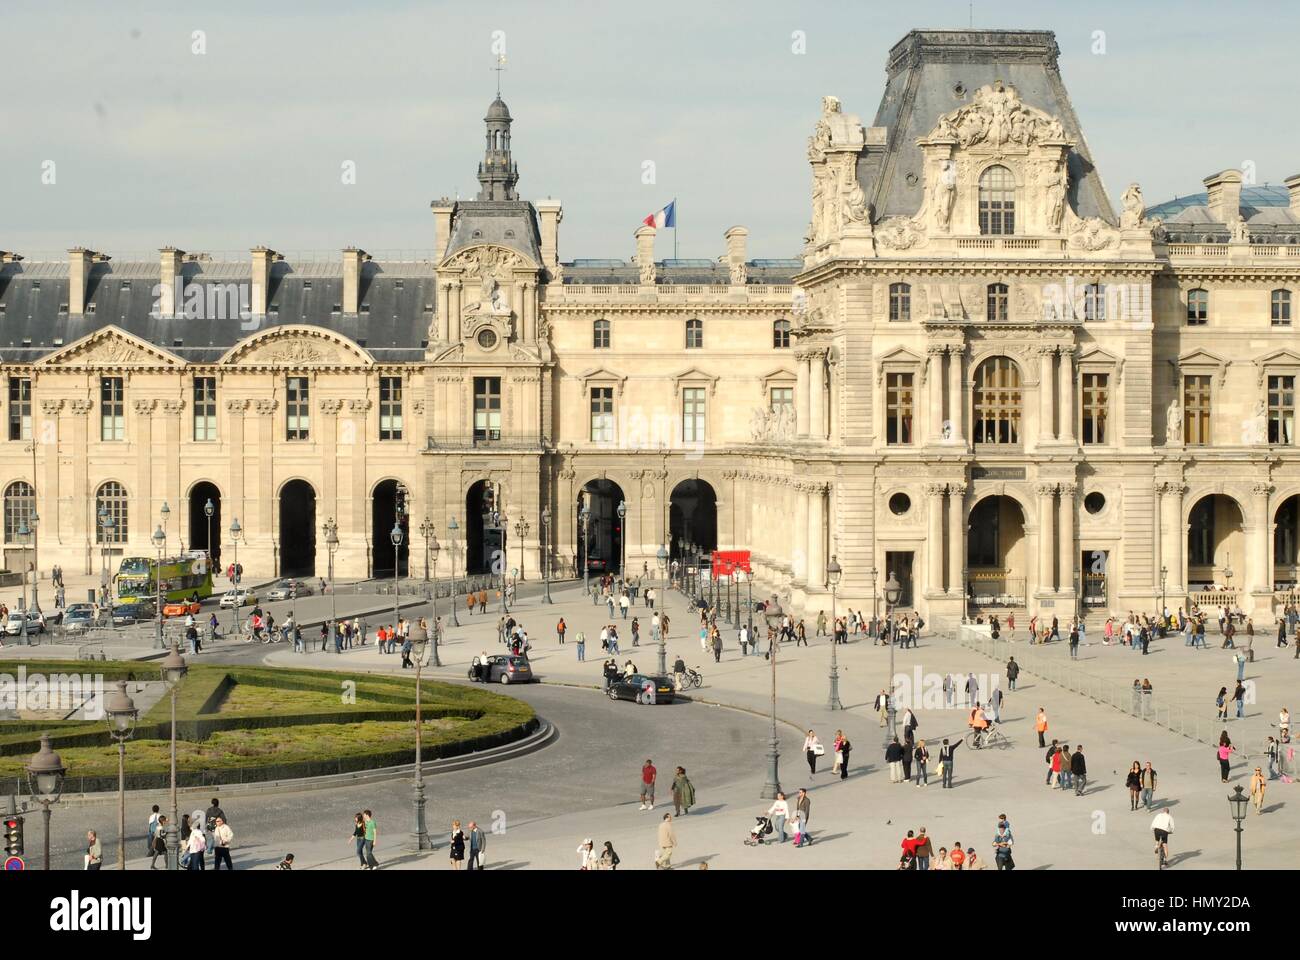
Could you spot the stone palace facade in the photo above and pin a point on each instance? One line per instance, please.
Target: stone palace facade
(978, 376)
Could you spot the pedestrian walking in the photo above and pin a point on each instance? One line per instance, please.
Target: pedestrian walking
(457, 846)
(560, 629)
(648, 775)
(1134, 783)
(158, 843)
(803, 810)
(1040, 725)
(812, 748)
(1148, 784)
(223, 837)
(894, 757)
(587, 857)
(580, 639)
(371, 836)
(1225, 750)
(667, 844)
(946, 756)
(608, 858)
(359, 839)
(778, 813)
(477, 841)
(1013, 671)
(836, 755)
(1002, 842)
(1257, 786)
(921, 756)
(683, 792)
(1079, 771)
(846, 748)
(197, 847)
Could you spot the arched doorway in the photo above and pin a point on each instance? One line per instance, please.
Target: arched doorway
(297, 529)
(997, 555)
(1286, 544)
(389, 505)
(693, 517)
(485, 531)
(200, 494)
(1216, 531)
(602, 549)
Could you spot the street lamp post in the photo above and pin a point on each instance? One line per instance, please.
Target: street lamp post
(434, 547)
(774, 614)
(35, 522)
(1237, 805)
(420, 642)
(331, 547)
(23, 535)
(875, 609)
(395, 535)
(521, 531)
(426, 531)
(235, 531)
(833, 573)
(106, 533)
(892, 593)
(1164, 575)
(173, 671)
(546, 552)
(121, 713)
(502, 523)
(661, 557)
(159, 540)
(453, 526)
(621, 510)
(45, 774)
(209, 509)
(584, 518)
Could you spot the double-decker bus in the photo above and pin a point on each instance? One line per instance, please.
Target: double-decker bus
(182, 577)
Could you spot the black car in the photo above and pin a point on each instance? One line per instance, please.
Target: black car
(641, 688)
(503, 668)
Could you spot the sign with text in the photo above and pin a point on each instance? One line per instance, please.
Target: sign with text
(728, 562)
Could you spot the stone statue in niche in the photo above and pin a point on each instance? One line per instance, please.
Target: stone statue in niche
(1056, 184)
(945, 191)
(1174, 422)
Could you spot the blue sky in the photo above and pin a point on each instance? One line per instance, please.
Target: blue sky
(244, 144)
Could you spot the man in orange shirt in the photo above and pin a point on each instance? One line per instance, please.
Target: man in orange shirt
(1040, 724)
(958, 856)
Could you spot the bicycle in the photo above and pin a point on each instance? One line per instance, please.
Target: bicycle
(692, 678)
(988, 738)
(1162, 854)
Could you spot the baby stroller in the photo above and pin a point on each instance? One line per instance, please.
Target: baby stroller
(762, 827)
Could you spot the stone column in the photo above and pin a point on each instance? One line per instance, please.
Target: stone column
(235, 432)
(956, 536)
(1069, 557)
(799, 550)
(453, 314)
(934, 537)
(817, 396)
(46, 435)
(444, 310)
(803, 399)
(934, 379)
(1046, 495)
(329, 495)
(262, 527)
(180, 529)
(1067, 395)
(1157, 540)
(1261, 568)
(956, 397)
(816, 536)
(1176, 537)
(147, 470)
(79, 410)
(1046, 431)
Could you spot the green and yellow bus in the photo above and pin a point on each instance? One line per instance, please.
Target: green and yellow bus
(182, 578)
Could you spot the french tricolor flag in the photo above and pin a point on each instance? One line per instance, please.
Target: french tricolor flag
(667, 217)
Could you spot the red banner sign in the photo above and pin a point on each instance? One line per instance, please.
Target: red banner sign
(728, 562)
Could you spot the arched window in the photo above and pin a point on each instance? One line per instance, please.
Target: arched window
(900, 301)
(1198, 307)
(1094, 302)
(600, 335)
(1281, 308)
(694, 334)
(110, 501)
(20, 504)
(997, 201)
(997, 401)
(997, 302)
(781, 335)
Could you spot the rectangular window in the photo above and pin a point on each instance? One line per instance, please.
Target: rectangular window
(1281, 308)
(487, 408)
(1198, 308)
(780, 398)
(390, 408)
(1196, 407)
(112, 409)
(297, 406)
(602, 414)
(1096, 407)
(693, 415)
(898, 408)
(1281, 410)
(20, 408)
(205, 408)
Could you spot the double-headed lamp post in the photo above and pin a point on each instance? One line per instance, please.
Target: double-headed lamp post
(452, 527)
(774, 615)
(426, 531)
(621, 510)
(434, 547)
(235, 532)
(332, 546)
(419, 645)
(45, 774)
(1164, 575)
(1238, 802)
(121, 713)
(35, 522)
(584, 518)
(833, 573)
(521, 531)
(209, 509)
(395, 536)
(24, 534)
(173, 671)
(546, 552)
(661, 557)
(159, 541)
(892, 593)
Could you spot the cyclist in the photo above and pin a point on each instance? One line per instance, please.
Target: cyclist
(1162, 826)
(979, 723)
(679, 672)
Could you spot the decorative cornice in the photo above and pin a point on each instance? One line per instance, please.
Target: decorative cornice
(236, 406)
(330, 406)
(144, 407)
(266, 407)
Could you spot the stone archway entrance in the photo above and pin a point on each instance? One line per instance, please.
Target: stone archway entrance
(693, 517)
(485, 534)
(388, 506)
(201, 494)
(297, 529)
(601, 551)
(997, 555)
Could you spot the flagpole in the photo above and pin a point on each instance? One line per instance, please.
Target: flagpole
(674, 228)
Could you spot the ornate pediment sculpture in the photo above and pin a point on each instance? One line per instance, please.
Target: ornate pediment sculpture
(996, 117)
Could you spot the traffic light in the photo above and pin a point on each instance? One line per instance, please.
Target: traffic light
(13, 836)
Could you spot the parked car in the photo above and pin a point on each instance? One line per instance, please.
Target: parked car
(238, 598)
(79, 617)
(597, 564)
(633, 688)
(181, 608)
(504, 668)
(125, 614)
(14, 623)
(288, 590)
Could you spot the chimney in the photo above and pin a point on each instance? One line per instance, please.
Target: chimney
(263, 257)
(1225, 195)
(442, 214)
(550, 213)
(169, 272)
(736, 238)
(7, 256)
(645, 253)
(80, 261)
(1292, 184)
(353, 258)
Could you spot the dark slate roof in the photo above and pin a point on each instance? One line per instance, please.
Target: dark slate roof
(925, 69)
(392, 326)
(619, 272)
(507, 223)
